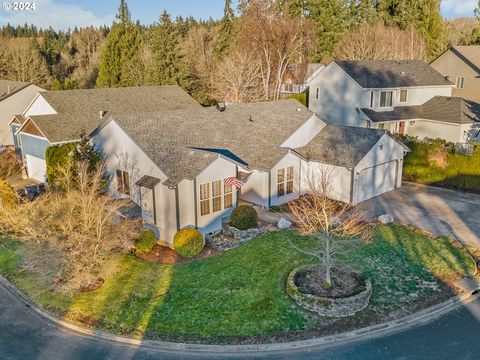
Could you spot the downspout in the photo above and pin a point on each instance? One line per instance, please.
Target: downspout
(195, 202)
(177, 208)
(154, 205)
(269, 188)
(352, 186)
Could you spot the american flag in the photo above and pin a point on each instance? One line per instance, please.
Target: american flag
(233, 181)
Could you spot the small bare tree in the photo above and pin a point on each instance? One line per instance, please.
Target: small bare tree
(329, 222)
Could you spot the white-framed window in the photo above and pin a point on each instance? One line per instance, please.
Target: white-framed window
(285, 180)
(205, 199)
(403, 95)
(227, 197)
(371, 98)
(217, 195)
(289, 87)
(123, 182)
(460, 82)
(386, 98)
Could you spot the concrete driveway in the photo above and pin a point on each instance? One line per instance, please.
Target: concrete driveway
(439, 211)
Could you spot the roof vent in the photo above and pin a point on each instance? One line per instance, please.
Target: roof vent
(221, 107)
(102, 113)
(8, 89)
(299, 109)
(250, 118)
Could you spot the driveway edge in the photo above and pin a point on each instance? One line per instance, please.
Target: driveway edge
(386, 328)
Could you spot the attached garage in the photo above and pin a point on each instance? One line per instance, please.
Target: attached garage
(362, 163)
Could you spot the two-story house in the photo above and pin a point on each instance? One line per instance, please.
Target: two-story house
(403, 97)
(461, 64)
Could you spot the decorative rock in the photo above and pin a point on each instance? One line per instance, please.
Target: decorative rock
(230, 237)
(385, 219)
(284, 224)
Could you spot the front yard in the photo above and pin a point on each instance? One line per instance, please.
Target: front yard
(239, 296)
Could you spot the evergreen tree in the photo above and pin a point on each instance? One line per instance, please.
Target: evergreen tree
(168, 65)
(121, 47)
(227, 31)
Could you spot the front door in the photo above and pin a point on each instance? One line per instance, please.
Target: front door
(401, 128)
(148, 205)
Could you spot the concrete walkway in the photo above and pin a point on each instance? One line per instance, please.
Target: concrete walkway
(439, 211)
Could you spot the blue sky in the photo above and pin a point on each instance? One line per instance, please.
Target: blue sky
(62, 14)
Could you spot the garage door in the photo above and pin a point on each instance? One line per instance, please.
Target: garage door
(376, 180)
(36, 168)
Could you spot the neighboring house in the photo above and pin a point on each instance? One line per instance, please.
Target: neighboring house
(461, 64)
(295, 80)
(174, 164)
(14, 98)
(403, 97)
(57, 117)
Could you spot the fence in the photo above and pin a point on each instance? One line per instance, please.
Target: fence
(464, 149)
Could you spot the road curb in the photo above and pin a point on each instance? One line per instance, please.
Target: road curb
(419, 318)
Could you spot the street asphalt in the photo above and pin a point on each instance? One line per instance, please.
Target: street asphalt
(26, 335)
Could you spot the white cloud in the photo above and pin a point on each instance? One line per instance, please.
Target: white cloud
(59, 16)
(457, 8)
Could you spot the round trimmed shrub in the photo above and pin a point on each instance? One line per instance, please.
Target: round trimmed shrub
(145, 243)
(188, 242)
(244, 217)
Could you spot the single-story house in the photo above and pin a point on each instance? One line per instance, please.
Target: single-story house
(15, 96)
(57, 117)
(176, 164)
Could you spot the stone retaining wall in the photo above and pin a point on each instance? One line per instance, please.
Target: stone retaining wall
(324, 306)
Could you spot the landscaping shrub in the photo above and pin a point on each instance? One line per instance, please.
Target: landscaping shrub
(145, 243)
(244, 217)
(188, 242)
(8, 196)
(301, 98)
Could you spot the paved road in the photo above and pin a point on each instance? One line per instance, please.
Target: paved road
(25, 335)
(440, 211)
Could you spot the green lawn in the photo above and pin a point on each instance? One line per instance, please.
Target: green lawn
(241, 292)
(461, 172)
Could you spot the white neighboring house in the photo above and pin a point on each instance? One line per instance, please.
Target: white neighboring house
(174, 164)
(403, 97)
(59, 117)
(15, 96)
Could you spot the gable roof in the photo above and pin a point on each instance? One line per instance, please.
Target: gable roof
(10, 87)
(341, 145)
(78, 110)
(392, 73)
(469, 54)
(184, 142)
(455, 110)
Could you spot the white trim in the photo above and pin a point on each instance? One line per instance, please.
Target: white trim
(315, 74)
(31, 103)
(30, 119)
(34, 136)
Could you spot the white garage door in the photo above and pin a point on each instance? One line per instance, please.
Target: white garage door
(376, 180)
(36, 167)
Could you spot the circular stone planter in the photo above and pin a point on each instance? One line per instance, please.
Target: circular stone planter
(327, 306)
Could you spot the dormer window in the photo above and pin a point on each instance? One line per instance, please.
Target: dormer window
(386, 98)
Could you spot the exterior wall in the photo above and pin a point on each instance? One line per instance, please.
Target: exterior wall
(288, 160)
(186, 197)
(15, 139)
(39, 106)
(33, 155)
(339, 95)
(220, 169)
(305, 133)
(255, 189)
(11, 106)
(339, 177)
(435, 129)
(452, 66)
(121, 153)
(415, 96)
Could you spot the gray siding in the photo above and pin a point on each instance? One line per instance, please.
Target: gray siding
(33, 146)
(15, 141)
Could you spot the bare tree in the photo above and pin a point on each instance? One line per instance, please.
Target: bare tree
(329, 222)
(380, 42)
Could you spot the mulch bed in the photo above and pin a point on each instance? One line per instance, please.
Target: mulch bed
(344, 283)
(165, 255)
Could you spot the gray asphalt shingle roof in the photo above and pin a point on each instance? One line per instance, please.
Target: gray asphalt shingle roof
(184, 142)
(455, 110)
(78, 110)
(10, 87)
(341, 145)
(392, 73)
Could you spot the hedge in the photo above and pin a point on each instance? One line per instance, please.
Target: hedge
(188, 242)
